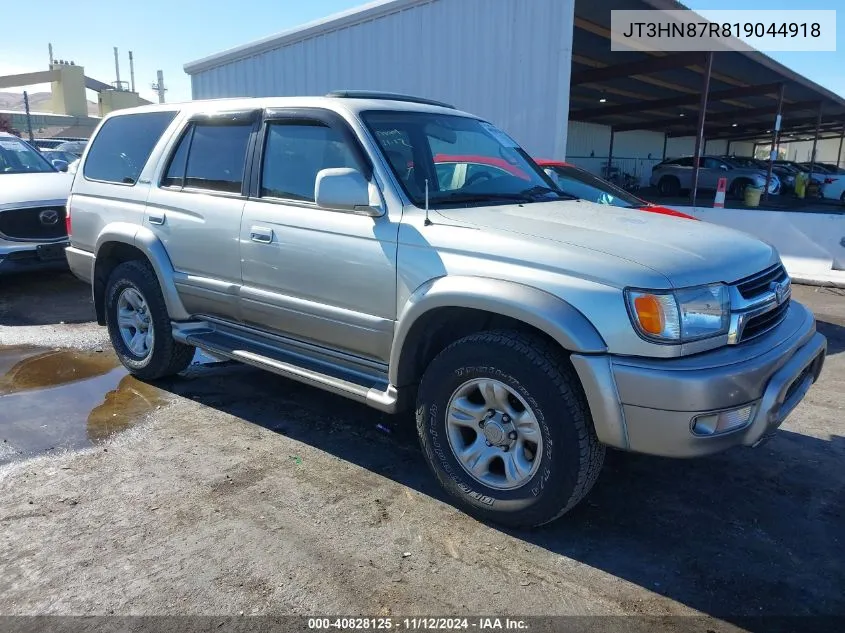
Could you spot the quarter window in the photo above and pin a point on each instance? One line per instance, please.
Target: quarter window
(175, 176)
(124, 144)
(295, 153)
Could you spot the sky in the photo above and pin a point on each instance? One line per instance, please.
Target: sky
(165, 34)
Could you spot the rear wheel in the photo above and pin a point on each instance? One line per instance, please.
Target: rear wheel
(506, 429)
(139, 326)
(738, 187)
(669, 186)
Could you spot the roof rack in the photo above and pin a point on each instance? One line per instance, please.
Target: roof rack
(389, 96)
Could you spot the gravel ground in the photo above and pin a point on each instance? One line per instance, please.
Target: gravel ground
(231, 490)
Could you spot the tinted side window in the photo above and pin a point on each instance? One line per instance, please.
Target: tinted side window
(175, 175)
(217, 156)
(123, 145)
(295, 153)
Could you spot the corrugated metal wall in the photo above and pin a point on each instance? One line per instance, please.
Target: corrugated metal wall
(802, 151)
(505, 60)
(634, 152)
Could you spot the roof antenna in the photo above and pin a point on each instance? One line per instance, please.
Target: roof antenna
(427, 221)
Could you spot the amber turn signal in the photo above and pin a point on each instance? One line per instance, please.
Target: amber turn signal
(650, 314)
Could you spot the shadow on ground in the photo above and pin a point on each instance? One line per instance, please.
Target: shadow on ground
(45, 299)
(835, 336)
(742, 534)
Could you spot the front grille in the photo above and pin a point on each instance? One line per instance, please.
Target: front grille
(757, 284)
(30, 224)
(762, 323)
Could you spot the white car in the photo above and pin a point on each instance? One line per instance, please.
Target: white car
(833, 187)
(33, 195)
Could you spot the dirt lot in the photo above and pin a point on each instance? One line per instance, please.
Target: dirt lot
(230, 490)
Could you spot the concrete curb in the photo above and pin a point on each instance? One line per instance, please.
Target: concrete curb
(812, 245)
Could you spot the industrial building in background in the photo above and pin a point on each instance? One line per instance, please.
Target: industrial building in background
(545, 72)
(69, 116)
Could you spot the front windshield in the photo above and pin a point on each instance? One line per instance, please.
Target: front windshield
(582, 184)
(18, 157)
(460, 160)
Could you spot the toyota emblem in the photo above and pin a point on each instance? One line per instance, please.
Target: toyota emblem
(781, 291)
(48, 217)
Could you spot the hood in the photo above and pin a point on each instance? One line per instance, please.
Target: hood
(684, 253)
(18, 189)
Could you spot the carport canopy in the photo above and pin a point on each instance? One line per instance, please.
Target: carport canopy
(662, 92)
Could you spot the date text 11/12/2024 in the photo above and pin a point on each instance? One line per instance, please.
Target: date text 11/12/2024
(416, 623)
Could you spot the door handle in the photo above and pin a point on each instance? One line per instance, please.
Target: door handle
(261, 235)
(156, 218)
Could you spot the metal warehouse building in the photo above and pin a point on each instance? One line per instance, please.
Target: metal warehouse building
(543, 71)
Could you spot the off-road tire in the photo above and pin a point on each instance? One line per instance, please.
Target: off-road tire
(541, 374)
(167, 357)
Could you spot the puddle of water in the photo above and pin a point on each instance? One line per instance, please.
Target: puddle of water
(59, 398)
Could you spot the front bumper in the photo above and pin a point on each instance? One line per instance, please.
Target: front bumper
(650, 405)
(17, 257)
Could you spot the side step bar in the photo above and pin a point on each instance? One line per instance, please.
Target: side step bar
(363, 384)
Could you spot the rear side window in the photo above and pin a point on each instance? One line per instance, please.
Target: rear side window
(123, 145)
(216, 158)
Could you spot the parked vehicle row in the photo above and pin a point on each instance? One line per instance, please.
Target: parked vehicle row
(73, 146)
(674, 176)
(362, 243)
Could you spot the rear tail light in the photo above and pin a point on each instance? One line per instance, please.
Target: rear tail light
(828, 181)
(67, 216)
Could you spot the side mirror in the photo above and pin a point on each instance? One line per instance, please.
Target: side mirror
(344, 189)
(59, 164)
(723, 167)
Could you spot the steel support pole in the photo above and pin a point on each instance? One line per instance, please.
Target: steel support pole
(775, 134)
(815, 140)
(699, 137)
(610, 154)
(728, 149)
(841, 138)
(28, 116)
(666, 141)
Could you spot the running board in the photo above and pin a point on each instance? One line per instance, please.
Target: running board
(360, 383)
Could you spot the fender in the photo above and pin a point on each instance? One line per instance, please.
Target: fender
(148, 243)
(544, 311)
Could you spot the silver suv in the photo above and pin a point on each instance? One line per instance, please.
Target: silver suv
(676, 174)
(312, 237)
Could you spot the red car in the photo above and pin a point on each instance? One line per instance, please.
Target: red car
(582, 184)
(455, 171)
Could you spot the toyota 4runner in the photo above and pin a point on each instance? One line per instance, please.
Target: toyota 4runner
(318, 239)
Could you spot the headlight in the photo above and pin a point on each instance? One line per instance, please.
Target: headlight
(680, 316)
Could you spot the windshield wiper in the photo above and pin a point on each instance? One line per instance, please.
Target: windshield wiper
(459, 196)
(541, 190)
(532, 194)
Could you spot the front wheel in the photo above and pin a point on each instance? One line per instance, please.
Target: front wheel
(139, 326)
(506, 429)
